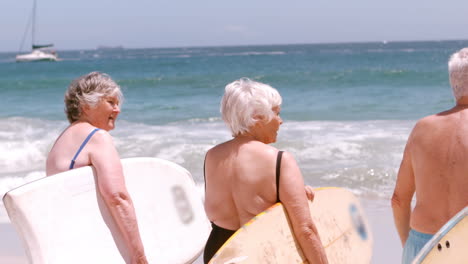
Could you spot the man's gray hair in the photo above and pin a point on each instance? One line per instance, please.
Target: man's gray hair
(458, 73)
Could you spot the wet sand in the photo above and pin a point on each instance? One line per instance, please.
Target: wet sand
(11, 251)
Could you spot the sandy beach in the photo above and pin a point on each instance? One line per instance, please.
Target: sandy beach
(11, 250)
(387, 248)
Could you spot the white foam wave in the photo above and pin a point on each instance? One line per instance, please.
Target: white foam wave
(183, 56)
(248, 53)
(389, 50)
(24, 143)
(360, 155)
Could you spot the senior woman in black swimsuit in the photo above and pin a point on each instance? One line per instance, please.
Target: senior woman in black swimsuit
(92, 104)
(244, 176)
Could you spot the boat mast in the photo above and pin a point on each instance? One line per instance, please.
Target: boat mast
(34, 23)
(29, 26)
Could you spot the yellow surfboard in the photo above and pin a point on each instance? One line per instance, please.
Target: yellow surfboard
(449, 244)
(268, 238)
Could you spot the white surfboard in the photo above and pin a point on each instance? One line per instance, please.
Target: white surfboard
(449, 244)
(62, 219)
(268, 237)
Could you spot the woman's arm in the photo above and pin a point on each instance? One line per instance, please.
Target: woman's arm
(294, 199)
(111, 186)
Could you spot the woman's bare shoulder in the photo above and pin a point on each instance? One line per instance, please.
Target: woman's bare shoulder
(103, 136)
(252, 150)
(259, 151)
(288, 159)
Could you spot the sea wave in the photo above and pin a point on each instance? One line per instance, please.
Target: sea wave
(251, 53)
(360, 155)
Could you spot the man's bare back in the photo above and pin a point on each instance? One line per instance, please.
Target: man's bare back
(438, 152)
(435, 167)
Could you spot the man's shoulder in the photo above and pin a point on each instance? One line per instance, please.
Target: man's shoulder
(423, 128)
(439, 118)
(428, 121)
(432, 127)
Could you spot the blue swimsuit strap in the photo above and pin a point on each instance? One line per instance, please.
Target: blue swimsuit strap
(72, 164)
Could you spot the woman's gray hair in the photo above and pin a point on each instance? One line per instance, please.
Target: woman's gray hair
(458, 73)
(88, 90)
(245, 102)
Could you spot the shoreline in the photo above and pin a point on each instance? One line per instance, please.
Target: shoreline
(387, 247)
(386, 250)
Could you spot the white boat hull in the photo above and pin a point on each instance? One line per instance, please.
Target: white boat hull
(36, 55)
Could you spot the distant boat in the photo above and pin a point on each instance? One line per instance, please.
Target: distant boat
(110, 47)
(39, 52)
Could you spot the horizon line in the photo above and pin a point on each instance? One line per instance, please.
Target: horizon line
(120, 46)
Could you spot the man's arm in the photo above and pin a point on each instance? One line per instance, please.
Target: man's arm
(403, 194)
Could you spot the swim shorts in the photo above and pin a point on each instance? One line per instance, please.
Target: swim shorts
(415, 242)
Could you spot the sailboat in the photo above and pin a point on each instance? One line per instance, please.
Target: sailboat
(39, 52)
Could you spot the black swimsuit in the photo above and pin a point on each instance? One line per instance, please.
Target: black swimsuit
(219, 235)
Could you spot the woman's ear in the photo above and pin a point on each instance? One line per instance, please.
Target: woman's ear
(259, 121)
(259, 118)
(85, 109)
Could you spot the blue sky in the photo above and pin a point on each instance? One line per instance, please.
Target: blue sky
(86, 24)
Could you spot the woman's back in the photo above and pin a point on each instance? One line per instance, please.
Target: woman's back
(67, 145)
(240, 174)
(240, 181)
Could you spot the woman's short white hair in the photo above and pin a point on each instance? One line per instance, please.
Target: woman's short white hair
(458, 73)
(245, 102)
(88, 90)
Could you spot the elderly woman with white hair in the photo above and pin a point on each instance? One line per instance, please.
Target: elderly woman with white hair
(244, 176)
(92, 104)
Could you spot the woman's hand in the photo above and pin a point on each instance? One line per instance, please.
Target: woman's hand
(310, 193)
(140, 260)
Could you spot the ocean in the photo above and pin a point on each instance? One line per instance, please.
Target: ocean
(347, 108)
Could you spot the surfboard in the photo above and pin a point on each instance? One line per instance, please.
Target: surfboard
(62, 218)
(449, 244)
(268, 237)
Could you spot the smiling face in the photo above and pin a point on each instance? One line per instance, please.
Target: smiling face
(267, 132)
(104, 114)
